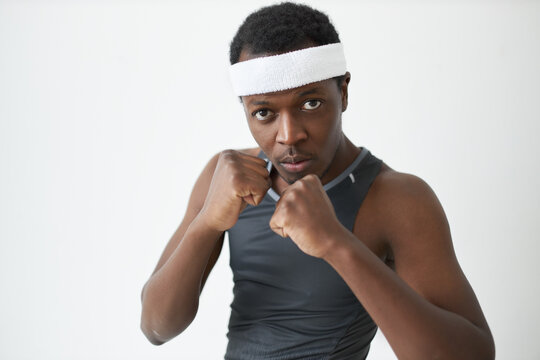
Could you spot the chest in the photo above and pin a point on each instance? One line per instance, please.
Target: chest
(273, 273)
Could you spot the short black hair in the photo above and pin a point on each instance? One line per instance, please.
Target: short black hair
(281, 28)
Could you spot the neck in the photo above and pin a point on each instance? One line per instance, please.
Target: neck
(344, 156)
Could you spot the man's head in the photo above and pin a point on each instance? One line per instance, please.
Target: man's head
(282, 28)
(298, 128)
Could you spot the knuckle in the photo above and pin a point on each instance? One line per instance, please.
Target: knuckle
(236, 179)
(293, 196)
(302, 183)
(228, 154)
(224, 153)
(290, 201)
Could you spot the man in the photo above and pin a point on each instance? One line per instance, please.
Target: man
(327, 242)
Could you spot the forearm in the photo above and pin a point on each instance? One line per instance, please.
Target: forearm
(171, 296)
(414, 327)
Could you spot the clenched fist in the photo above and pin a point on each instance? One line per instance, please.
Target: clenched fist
(305, 214)
(239, 179)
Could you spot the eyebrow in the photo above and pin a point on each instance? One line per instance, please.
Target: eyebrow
(309, 92)
(301, 94)
(260, 102)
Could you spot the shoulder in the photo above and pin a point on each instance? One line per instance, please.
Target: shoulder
(406, 207)
(400, 187)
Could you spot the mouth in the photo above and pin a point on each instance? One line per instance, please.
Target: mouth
(295, 164)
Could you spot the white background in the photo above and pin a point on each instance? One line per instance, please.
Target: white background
(110, 109)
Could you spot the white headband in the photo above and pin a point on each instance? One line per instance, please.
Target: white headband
(288, 70)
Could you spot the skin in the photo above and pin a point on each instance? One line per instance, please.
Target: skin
(400, 247)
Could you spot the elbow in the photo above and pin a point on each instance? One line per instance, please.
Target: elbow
(481, 349)
(490, 347)
(487, 353)
(160, 327)
(477, 346)
(152, 335)
(149, 327)
(159, 332)
(485, 345)
(148, 330)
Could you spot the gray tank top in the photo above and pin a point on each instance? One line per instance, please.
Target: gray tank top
(290, 305)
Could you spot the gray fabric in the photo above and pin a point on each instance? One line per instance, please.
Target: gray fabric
(287, 304)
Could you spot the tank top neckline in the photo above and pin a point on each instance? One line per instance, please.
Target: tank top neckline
(346, 173)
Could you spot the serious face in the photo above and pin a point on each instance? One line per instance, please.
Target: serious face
(299, 129)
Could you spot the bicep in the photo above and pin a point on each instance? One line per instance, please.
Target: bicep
(424, 255)
(195, 204)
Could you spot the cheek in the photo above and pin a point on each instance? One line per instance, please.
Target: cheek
(329, 129)
(261, 134)
(329, 136)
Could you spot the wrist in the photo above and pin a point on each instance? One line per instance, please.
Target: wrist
(203, 223)
(338, 244)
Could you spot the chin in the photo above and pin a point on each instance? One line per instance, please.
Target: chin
(292, 178)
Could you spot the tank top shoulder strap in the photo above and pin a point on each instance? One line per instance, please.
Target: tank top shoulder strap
(347, 195)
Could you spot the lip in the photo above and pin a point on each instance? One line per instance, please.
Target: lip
(293, 158)
(296, 165)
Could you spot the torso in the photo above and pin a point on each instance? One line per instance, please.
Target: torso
(288, 304)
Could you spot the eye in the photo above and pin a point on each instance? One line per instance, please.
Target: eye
(311, 104)
(263, 114)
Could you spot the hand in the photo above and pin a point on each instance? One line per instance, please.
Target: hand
(305, 214)
(239, 179)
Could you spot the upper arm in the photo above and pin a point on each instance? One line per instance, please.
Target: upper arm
(195, 204)
(419, 237)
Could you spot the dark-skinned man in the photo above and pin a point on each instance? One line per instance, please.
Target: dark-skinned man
(327, 242)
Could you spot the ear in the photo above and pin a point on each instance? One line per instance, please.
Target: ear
(344, 91)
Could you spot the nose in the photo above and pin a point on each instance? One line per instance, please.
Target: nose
(291, 130)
